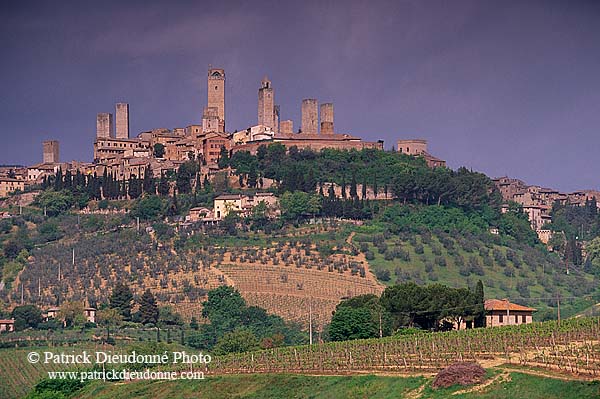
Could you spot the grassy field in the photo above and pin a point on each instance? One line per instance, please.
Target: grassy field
(516, 386)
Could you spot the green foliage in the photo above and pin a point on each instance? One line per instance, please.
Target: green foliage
(426, 306)
(360, 317)
(56, 388)
(148, 308)
(236, 341)
(26, 316)
(148, 208)
(411, 218)
(299, 204)
(159, 150)
(121, 300)
(186, 173)
(227, 311)
(49, 231)
(55, 202)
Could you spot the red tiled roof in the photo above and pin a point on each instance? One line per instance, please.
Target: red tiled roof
(504, 304)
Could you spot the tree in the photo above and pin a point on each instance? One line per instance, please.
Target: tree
(223, 158)
(54, 202)
(148, 308)
(480, 311)
(352, 323)
(237, 341)
(26, 316)
(121, 300)
(298, 204)
(163, 185)
(72, 314)
(148, 208)
(360, 317)
(159, 150)
(148, 185)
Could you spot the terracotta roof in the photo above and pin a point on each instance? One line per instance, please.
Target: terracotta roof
(7, 321)
(504, 304)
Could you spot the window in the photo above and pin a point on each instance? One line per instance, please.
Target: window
(524, 319)
(501, 318)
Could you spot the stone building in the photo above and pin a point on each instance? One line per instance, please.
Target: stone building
(418, 147)
(216, 94)
(104, 125)
(504, 313)
(310, 116)
(287, 127)
(7, 325)
(122, 121)
(266, 104)
(8, 185)
(50, 152)
(240, 203)
(327, 118)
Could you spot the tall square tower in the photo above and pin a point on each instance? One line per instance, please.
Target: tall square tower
(122, 120)
(310, 116)
(216, 92)
(104, 125)
(50, 151)
(266, 99)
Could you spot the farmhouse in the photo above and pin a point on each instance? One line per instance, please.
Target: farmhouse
(7, 325)
(501, 312)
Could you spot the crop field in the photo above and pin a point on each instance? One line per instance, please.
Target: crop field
(570, 347)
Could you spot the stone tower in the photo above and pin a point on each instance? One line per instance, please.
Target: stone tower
(210, 120)
(122, 120)
(327, 118)
(104, 125)
(310, 116)
(266, 99)
(287, 127)
(216, 93)
(50, 154)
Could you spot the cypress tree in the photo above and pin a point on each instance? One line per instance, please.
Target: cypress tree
(148, 308)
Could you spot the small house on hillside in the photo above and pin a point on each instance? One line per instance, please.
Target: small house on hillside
(501, 312)
(7, 325)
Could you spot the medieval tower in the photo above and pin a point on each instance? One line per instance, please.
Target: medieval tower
(122, 121)
(216, 93)
(266, 99)
(310, 116)
(104, 125)
(50, 151)
(327, 118)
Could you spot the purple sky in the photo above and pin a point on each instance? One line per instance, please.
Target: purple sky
(504, 87)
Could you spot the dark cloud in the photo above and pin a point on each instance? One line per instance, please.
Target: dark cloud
(503, 87)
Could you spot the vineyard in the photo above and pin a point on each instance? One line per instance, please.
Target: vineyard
(569, 347)
(286, 275)
(19, 376)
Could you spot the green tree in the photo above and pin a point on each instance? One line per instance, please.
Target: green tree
(352, 323)
(148, 308)
(121, 300)
(159, 150)
(26, 316)
(223, 158)
(237, 341)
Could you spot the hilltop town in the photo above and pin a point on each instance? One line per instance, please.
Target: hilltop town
(121, 155)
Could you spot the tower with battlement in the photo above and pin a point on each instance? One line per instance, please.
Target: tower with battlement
(216, 93)
(310, 116)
